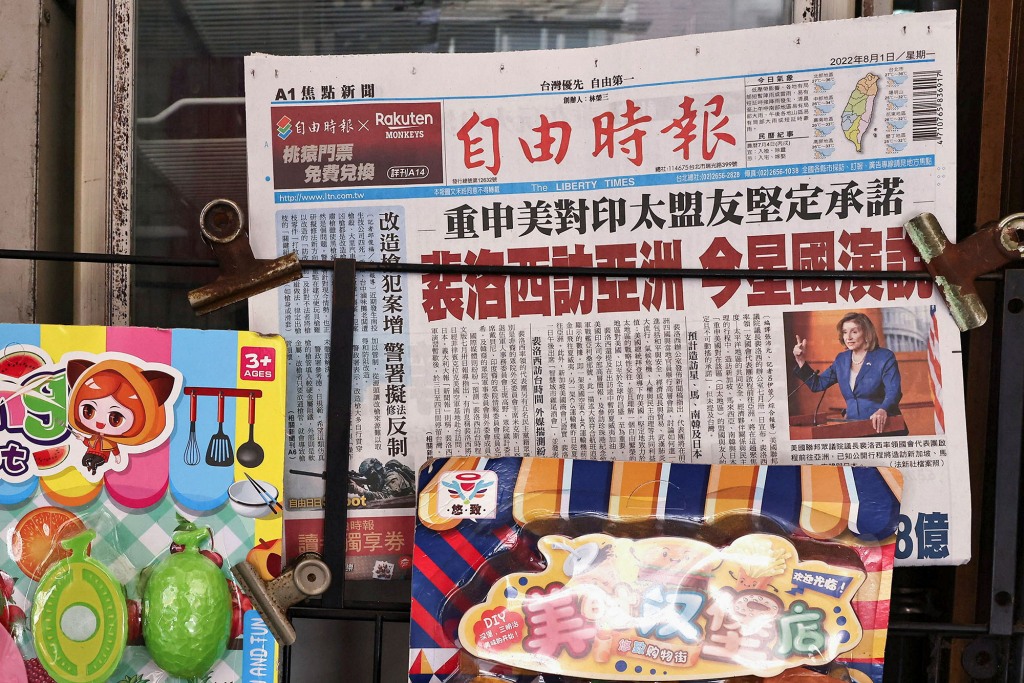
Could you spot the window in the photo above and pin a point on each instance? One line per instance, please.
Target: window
(189, 115)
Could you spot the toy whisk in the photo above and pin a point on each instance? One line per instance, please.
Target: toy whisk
(192, 447)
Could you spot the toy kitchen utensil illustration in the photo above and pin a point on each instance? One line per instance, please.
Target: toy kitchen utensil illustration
(271, 500)
(219, 452)
(253, 498)
(192, 447)
(250, 453)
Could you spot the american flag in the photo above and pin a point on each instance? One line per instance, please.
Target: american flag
(935, 373)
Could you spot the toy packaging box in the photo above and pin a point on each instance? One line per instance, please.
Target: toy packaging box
(136, 467)
(533, 570)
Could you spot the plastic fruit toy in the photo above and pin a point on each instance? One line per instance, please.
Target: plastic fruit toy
(36, 673)
(10, 614)
(211, 555)
(266, 558)
(35, 543)
(186, 608)
(240, 604)
(80, 617)
(134, 622)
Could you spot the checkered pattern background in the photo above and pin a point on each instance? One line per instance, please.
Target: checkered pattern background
(126, 542)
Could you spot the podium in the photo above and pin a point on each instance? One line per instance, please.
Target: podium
(802, 427)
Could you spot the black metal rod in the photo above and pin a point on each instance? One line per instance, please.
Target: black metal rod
(113, 259)
(286, 664)
(1005, 499)
(944, 630)
(349, 614)
(378, 648)
(464, 269)
(339, 426)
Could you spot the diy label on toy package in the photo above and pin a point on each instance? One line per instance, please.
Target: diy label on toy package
(690, 152)
(666, 609)
(113, 441)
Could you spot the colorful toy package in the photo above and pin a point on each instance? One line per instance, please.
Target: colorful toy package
(532, 570)
(136, 467)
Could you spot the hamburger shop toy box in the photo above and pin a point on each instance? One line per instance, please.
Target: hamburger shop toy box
(529, 570)
(136, 467)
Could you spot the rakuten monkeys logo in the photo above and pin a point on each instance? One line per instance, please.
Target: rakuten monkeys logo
(382, 143)
(403, 125)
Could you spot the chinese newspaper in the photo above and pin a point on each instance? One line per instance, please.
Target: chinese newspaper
(808, 152)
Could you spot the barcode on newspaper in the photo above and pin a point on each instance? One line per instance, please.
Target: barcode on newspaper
(926, 106)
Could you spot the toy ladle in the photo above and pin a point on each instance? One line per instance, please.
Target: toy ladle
(250, 453)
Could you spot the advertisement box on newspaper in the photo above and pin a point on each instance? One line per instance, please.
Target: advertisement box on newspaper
(130, 459)
(808, 153)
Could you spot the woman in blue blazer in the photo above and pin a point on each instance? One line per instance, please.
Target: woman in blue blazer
(868, 375)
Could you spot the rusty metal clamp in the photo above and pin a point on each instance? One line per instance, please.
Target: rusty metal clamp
(307, 577)
(955, 267)
(222, 225)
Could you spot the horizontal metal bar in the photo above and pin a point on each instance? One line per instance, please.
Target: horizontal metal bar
(347, 614)
(484, 270)
(92, 257)
(186, 102)
(938, 629)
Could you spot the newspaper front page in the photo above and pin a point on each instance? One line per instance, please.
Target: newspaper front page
(803, 147)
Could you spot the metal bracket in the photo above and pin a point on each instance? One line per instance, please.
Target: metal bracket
(955, 267)
(222, 225)
(309, 576)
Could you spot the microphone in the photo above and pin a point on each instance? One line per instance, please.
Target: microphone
(814, 420)
(802, 383)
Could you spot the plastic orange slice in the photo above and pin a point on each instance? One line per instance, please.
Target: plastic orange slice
(35, 543)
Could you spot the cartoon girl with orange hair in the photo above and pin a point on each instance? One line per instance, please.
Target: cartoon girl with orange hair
(114, 403)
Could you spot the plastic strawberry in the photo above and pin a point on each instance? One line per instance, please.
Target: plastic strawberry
(36, 672)
(14, 613)
(7, 605)
(134, 678)
(23, 639)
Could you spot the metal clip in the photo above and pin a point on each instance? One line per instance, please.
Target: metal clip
(956, 266)
(241, 275)
(309, 576)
